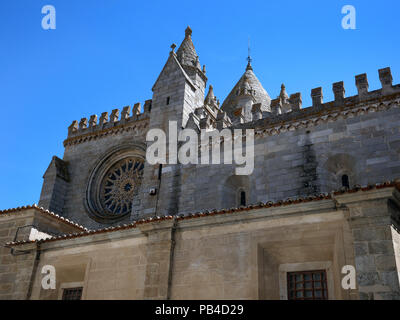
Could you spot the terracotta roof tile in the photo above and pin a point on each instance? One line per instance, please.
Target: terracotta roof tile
(44, 211)
(323, 196)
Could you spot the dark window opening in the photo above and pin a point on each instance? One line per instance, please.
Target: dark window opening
(72, 293)
(242, 198)
(345, 181)
(167, 100)
(159, 171)
(307, 285)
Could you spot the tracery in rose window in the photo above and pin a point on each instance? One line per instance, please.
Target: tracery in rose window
(120, 185)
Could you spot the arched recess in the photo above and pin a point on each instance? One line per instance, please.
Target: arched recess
(233, 190)
(340, 171)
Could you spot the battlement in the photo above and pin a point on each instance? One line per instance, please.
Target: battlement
(289, 109)
(105, 121)
(361, 81)
(285, 108)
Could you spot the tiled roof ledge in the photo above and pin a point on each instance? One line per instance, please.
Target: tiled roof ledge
(386, 190)
(42, 211)
(389, 189)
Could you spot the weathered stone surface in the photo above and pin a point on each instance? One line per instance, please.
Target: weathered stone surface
(298, 152)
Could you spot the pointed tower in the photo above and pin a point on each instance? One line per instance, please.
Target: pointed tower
(179, 88)
(189, 60)
(247, 91)
(177, 93)
(187, 55)
(211, 99)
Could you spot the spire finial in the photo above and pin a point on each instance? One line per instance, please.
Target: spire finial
(173, 46)
(188, 32)
(210, 98)
(283, 95)
(249, 67)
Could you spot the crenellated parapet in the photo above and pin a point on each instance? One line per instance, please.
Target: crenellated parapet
(317, 97)
(284, 109)
(338, 91)
(287, 114)
(127, 117)
(363, 93)
(295, 101)
(289, 107)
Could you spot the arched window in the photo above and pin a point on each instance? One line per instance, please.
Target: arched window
(345, 181)
(242, 198)
(235, 192)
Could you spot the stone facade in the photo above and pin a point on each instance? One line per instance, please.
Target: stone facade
(18, 266)
(315, 200)
(242, 253)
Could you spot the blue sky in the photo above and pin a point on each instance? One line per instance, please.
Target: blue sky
(107, 54)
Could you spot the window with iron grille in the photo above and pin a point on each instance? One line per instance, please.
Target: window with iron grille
(72, 293)
(307, 285)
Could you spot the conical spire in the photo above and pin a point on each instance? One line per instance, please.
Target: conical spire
(249, 67)
(210, 98)
(248, 81)
(188, 32)
(187, 53)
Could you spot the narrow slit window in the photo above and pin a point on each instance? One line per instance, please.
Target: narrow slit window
(168, 100)
(345, 181)
(159, 171)
(242, 198)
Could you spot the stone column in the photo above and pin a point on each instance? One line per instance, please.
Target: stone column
(372, 215)
(159, 258)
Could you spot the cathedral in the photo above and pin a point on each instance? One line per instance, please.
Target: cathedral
(317, 218)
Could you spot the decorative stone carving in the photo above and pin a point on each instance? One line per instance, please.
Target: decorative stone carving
(114, 183)
(83, 124)
(73, 127)
(114, 115)
(125, 113)
(120, 185)
(93, 120)
(103, 118)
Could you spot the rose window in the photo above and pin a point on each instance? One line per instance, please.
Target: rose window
(120, 185)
